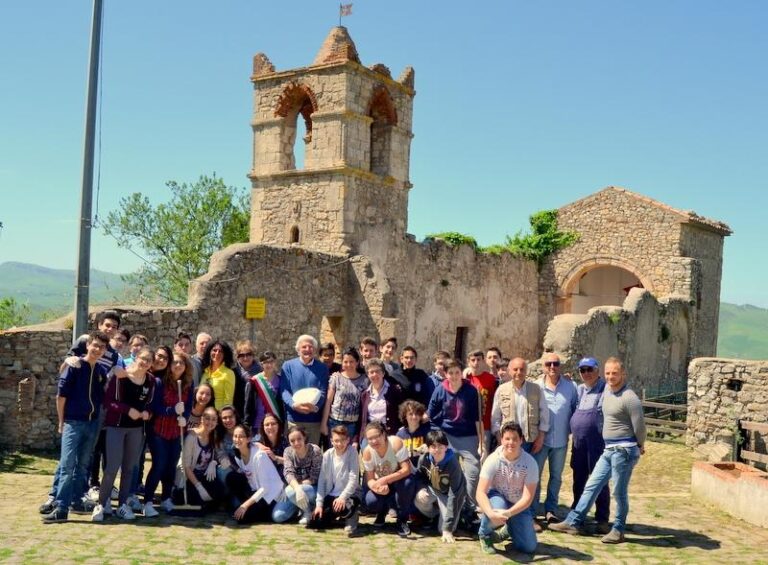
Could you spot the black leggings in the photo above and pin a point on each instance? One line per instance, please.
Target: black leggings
(330, 515)
(240, 489)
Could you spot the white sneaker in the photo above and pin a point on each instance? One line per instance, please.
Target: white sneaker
(93, 494)
(304, 519)
(167, 505)
(134, 503)
(149, 511)
(125, 513)
(98, 514)
(115, 494)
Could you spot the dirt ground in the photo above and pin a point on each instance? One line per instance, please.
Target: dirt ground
(665, 526)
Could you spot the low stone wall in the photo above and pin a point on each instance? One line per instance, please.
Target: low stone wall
(650, 336)
(722, 391)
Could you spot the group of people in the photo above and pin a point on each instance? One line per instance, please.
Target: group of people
(321, 439)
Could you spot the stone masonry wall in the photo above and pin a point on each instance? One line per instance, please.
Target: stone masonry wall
(300, 289)
(721, 391)
(650, 336)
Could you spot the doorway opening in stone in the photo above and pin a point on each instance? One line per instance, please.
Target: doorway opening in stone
(332, 331)
(294, 235)
(460, 345)
(599, 285)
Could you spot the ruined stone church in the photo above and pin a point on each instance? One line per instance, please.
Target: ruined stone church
(330, 253)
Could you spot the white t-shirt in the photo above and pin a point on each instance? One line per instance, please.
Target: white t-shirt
(509, 478)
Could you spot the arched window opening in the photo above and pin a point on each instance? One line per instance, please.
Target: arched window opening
(606, 285)
(384, 116)
(296, 105)
(294, 235)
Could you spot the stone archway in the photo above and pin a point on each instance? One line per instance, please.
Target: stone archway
(600, 281)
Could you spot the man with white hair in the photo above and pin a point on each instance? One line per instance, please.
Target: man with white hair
(201, 343)
(299, 373)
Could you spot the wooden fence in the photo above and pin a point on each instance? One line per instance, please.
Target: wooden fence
(666, 418)
(753, 450)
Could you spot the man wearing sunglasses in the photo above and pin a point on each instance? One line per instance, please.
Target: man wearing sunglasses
(587, 443)
(560, 394)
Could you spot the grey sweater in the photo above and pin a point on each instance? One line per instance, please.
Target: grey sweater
(623, 420)
(350, 469)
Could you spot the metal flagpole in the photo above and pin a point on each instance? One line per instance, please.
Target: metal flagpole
(82, 283)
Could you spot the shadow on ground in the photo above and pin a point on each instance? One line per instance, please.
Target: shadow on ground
(656, 536)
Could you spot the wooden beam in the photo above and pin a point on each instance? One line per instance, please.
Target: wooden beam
(754, 426)
(660, 422)
(753, 456)
(649, 404)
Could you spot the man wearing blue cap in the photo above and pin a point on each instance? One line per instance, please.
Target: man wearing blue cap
(587, 443)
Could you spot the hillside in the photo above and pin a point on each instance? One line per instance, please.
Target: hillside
(52, 290)
(743, 332)
(743, 329)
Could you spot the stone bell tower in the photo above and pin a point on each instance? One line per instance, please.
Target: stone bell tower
(351, 196)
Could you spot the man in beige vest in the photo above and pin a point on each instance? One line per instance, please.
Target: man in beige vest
(521, 401)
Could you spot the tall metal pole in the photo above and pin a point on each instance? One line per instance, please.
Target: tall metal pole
(82, 283)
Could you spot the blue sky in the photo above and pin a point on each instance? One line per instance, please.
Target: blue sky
(520, 106)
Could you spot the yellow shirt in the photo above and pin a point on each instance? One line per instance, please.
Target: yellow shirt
(222, 381)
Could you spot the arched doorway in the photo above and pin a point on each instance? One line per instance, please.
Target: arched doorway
(598, 284)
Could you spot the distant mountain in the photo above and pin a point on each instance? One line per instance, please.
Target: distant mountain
(52, 290)
(743, 332)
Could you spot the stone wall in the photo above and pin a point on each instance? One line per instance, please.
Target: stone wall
(650, 336)
(671, 252)
(721, 391)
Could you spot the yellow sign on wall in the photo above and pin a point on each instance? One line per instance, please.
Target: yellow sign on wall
(255, 308)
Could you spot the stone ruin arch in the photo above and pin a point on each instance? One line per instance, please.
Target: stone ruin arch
(381, 109)
(599, 281)
(296, 99)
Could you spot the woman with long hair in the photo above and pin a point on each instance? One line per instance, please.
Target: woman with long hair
(199, 462)
(255, 483)
(202, 399)
(127, 402)
(302, 462)
(162, 363)
(272, 440)
(171, 412)
(345, 389)
(218, 361)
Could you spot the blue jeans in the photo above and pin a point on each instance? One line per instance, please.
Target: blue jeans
(77, 441)
(284, 511)
(165, 456)
(399, 498)
(351, 427)
(519, 526)
(615, 463)
(556, 458)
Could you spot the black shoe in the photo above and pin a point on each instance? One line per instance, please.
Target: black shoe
(57, 515)
(381, 518)
(80, 507)
(403, 530)
(48, 506)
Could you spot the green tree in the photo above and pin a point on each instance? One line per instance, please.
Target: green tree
(12, 313)
(177, 238)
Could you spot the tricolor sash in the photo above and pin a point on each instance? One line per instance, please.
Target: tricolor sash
(267, 395)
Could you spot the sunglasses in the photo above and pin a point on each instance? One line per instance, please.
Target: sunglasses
(586, 369)
(551, 363)
(242, 355)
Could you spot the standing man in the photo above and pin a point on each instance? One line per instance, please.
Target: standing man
(183, 343)
(418, 387)
(624, 436)
(304, 371)
(560, 395)
(485, 383)
(523, 402)
(492, 359)
(78, 405)
(587, 438)
(201, 344)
